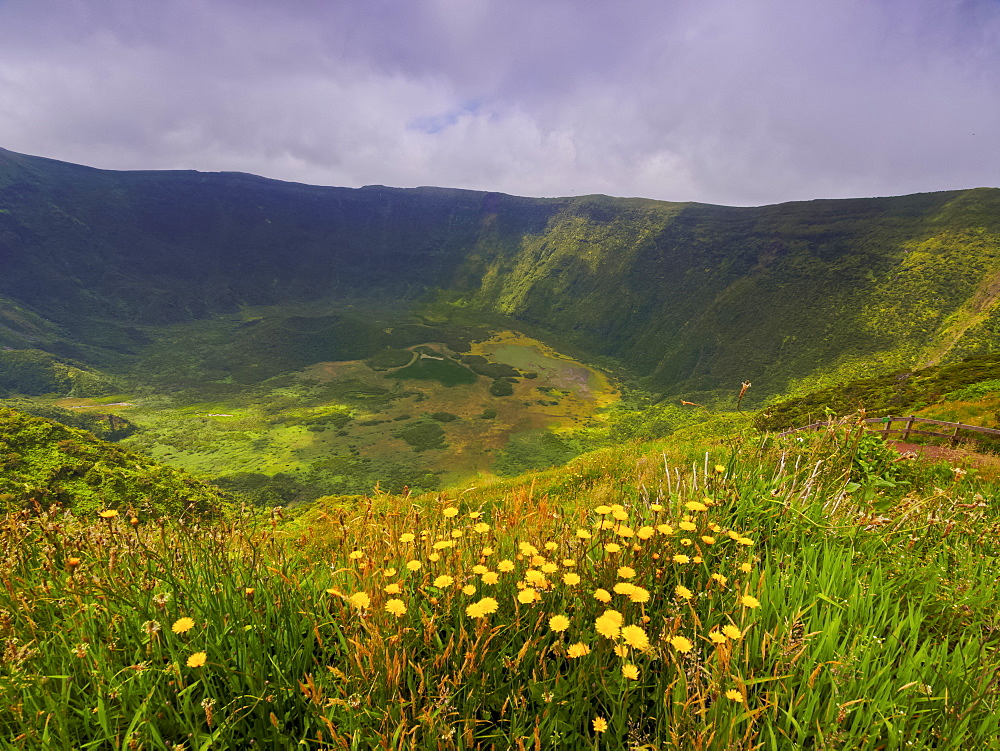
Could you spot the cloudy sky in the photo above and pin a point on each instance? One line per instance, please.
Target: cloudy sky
(740, 102)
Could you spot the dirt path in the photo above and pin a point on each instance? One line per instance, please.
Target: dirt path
(957, 457)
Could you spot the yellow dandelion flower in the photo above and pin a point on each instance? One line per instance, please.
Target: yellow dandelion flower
(506, 565)
(534, 577)
(389, 572)
(360, 600)
(474, 610)
(602, 595)
(408, 537)
(108, 514)
(681, 644)
(635, 636)
(568, 562)
(488, 605)
(599, 724)
(479, 569)
(607, 628)
(607, 524)
(355, 555)
(717, 637)
(490, 577)
(719, 468)
(537, 560)
(621, 650)
(614, 615)
(583, 534)
(602, 510)
(558, 623)
(619, 514)
(181, 625)
(443, 581)
(638, 594)
(487, 551)
(443, 544)
(626, 572)
(550, 546)
(527, 548)
(434, 557)
(623, 588)
(449, 512)
(578, 650)
(688, 526)
(644, 533)
(469, 590)
(334, 591)
(72, 562)
(686, 542)
(414, 565)
(746, 568)
(695, 506)
(708, 539)
(734, 695)
(613, 547)
(571, 579)
(631, 672)
(682, 591)
(475, 514)
(481, 528)
(550, 568)
(664, 529)
(196, 660)
(526, 596)
(744, 541)
(749, 601)
(623, 531)
(732, 632)
(720, 578)
(715, 527)
(656, 508)
(681, 558)
(733, 535)
(395, 607)
(697, 559)
(456, 533)
(392, 589)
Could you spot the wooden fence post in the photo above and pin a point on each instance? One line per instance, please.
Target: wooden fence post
(954, 436)
(909, 426)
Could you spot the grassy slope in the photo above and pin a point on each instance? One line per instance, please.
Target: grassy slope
(872, 623)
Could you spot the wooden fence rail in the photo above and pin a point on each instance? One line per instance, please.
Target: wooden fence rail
(906, 427)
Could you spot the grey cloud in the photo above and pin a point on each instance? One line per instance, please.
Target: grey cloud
(723, 101)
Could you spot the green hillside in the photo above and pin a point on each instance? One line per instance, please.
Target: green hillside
(44, 462)
(693, 298)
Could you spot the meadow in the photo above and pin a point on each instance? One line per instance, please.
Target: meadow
(687, 594)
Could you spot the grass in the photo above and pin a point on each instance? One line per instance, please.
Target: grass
(658, 597)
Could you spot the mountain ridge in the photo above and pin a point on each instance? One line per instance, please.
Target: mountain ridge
(692, 297)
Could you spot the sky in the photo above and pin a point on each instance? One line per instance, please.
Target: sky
(736, 102)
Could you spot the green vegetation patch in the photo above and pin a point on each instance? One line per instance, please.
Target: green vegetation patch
(106, 426)
(892, 394)
(389, 358)
(423, 435)
(444, 370)
(46, 462)
(535, 449)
